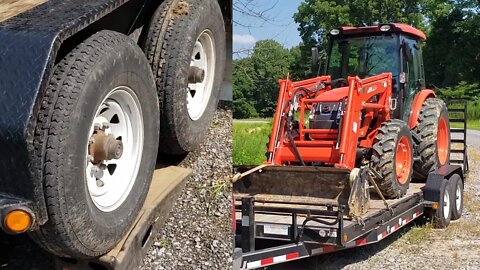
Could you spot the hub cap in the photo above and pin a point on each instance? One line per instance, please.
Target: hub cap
(115, 149)
(403, 160)
(201, 75)
(458, 198)
(446, 204)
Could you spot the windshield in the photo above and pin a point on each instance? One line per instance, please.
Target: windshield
(363, 56)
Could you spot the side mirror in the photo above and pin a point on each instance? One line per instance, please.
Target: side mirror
(315, 60)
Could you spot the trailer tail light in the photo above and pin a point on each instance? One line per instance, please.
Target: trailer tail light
(18, 221)
(435, 206)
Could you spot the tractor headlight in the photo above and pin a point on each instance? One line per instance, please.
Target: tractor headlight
(335, 32)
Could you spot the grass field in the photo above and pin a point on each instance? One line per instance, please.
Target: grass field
(249, 141)
(471, 124)
(251, 136)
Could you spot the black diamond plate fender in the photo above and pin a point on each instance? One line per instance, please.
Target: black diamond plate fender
(29, 44)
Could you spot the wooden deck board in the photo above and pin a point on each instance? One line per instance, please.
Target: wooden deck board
(11, 8)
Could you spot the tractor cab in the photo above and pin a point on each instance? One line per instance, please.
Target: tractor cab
(372, 50)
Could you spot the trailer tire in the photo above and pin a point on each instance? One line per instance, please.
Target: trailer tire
(392, 158)
(457, 193)
(432, 139)
(442, 216)
(106, 70)
(180, 35)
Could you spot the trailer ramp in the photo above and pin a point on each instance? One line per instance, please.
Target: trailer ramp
(167, 184)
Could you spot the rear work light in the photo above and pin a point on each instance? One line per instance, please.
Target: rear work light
(385, 28)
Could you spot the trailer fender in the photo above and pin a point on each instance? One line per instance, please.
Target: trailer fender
(417, 105)
(432, 191)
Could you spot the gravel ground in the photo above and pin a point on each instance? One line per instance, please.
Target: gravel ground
(198, 231)
(420, 246)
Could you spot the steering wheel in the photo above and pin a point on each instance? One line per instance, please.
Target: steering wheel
(340, 82)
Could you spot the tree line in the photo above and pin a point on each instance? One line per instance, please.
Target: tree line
(451, 53)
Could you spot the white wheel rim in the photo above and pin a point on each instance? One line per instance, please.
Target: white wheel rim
(121, 111)
(458, 198)
(446, 204)
(203, 57)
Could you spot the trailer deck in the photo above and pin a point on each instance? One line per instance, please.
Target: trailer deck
(272, 229)
(11, 8)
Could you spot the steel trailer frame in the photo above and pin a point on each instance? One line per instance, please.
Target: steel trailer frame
(302, 241)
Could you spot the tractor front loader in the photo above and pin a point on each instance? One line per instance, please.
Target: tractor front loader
(369, 124)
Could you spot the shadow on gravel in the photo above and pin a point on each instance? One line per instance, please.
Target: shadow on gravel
(19, 252)
(341, 259)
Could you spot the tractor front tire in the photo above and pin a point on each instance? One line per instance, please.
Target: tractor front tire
(392, 158)
(432, 139)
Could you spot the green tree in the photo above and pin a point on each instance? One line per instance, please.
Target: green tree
(317, 17)
(255, 79)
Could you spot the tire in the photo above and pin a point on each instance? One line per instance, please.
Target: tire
(442, 216)
(392, 143)
(82, 223)
(170, 43)
(432, 122)
(457, 193)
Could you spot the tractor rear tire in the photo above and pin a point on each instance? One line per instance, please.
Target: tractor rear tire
(432, 139)
(392, 158)
(92, 204)
(181, 36)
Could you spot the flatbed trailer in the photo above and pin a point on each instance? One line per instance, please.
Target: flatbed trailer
(272, 229)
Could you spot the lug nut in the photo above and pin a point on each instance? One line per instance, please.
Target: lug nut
(100, 183)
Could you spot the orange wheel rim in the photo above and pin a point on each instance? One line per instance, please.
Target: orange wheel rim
(442, 141)
(403, 160)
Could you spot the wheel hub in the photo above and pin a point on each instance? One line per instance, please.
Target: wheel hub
(104, 147)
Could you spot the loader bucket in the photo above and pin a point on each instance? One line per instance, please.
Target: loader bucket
(309, 184)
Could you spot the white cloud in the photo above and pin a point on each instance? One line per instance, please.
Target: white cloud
(244, 39)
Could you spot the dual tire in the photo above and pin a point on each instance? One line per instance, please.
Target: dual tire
(98, 128)
(450, 204)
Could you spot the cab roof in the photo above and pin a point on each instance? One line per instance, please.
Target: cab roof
(394, 27)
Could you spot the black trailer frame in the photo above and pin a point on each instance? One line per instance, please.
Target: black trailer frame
(293, 241)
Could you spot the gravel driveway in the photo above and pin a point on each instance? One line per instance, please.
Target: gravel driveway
(198, 231)
(418, 247)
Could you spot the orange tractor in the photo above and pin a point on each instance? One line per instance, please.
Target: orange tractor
(343, 151)
(371, 117)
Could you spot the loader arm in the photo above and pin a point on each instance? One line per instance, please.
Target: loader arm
(296, 140)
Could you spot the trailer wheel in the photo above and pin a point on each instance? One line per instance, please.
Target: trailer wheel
(457, 192)
(185, 45)
(442, 216)
(392, 158)
(96, 141)
(433, 135)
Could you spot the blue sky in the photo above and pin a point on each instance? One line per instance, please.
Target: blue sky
(247, 29)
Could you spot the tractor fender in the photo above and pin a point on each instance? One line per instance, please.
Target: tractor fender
(417, 104)
(432, 190)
